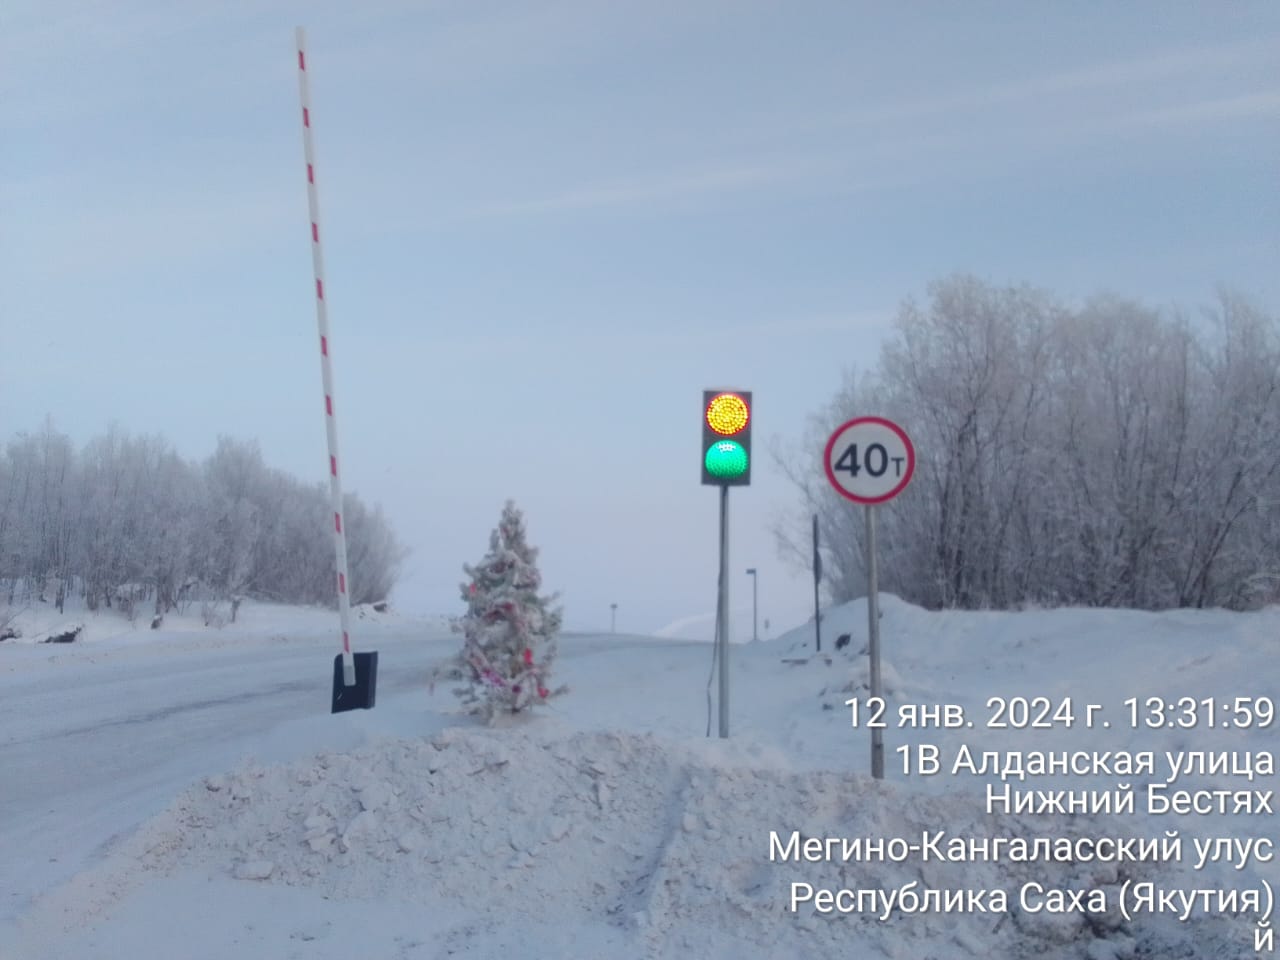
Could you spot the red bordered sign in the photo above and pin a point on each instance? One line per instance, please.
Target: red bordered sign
(869, 459)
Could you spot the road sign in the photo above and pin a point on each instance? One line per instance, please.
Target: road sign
(869, 460)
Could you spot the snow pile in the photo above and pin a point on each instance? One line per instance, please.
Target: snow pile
(37, 624)
(609, 827)
(667, 843)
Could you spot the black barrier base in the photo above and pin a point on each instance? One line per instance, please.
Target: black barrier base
(362, 695)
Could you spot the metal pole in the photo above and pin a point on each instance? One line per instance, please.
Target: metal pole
(613, 617)
(817, 578)
(722, 621)
(326, 369)
(873, 646)
(755, 633)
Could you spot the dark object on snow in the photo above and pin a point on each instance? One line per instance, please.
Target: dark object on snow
(156, 621)
(842, 641)
(380, 607)
(360, 696)
(67, 636)
(9, 633)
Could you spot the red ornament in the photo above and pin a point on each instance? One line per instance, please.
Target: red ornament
(516, 688)
(473, 588)
(528, 656)
(542, 692)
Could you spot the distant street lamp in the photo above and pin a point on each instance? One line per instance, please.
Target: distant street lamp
(613, 617)
(755, 634)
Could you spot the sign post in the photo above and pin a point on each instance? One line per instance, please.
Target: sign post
(870, 460)
(817, 581)
(873, 638)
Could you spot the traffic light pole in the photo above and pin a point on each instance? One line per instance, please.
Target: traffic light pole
(726, 462)
(722, 613)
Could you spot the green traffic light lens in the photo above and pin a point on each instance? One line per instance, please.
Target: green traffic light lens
(726, 460)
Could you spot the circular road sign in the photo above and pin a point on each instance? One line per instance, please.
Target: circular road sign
(869, 459)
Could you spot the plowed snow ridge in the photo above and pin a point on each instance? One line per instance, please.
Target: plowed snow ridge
(669, 840)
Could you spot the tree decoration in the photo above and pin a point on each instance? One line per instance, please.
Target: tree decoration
(509, 630)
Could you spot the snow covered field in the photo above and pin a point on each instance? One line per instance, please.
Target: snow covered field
(185, 793)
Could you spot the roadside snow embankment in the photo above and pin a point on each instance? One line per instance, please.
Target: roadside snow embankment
(666, 842)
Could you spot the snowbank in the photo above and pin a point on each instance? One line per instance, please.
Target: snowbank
(611, 828)
(663, 847)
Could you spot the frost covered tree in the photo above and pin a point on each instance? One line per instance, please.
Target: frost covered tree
(128, 516)
(509, 630)
(1103, 455)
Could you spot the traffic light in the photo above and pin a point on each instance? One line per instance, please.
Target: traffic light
(726, 437)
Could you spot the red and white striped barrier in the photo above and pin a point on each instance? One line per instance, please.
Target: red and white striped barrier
(326, 369)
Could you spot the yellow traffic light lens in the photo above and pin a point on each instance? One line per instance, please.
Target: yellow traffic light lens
(727, 414)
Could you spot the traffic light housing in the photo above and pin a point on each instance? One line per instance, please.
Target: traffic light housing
(726, 437)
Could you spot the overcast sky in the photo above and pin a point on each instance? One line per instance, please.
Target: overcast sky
(550, 225)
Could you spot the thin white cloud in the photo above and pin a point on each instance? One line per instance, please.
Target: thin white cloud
(1204, 62)
(784, 326)
(731, 176)
(728, 178)
(834, 157)
(177, 227)
(1153, 72)
(641, 337)
(468, 39)
(1263, 104)
(65, 42)
(897, 157)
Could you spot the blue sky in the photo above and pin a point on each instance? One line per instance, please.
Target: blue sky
(550, 225)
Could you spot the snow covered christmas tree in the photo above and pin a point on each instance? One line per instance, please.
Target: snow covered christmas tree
(510, 631)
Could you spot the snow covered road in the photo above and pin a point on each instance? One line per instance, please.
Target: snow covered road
(92, 742)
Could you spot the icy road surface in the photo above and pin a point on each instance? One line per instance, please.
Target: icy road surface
(96, 738)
